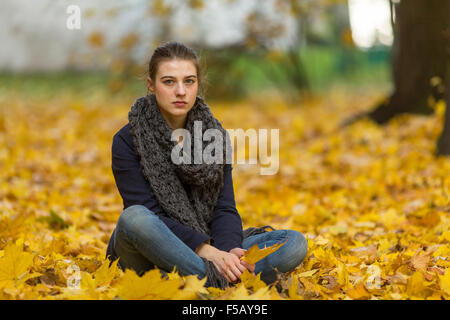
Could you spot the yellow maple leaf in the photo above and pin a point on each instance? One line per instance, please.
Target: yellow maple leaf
(321, 241)
(342, 274)
(326, 257)
(254, 254)
(148, 286)
(105, 273)
(14, 265)
(415, 285)
(262, 294)
(391, 218)
(308, 273)
(358, 292)
(239, 293)
(252, 281)
(191, 288)
(420, 262)
(308, 285)
(292, 291)
(89, 287)
(445, 281)
(216, 292)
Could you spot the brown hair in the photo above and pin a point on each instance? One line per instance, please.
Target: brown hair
(177, 50)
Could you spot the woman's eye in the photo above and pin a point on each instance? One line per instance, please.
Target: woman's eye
(168, 81)
(190, 81)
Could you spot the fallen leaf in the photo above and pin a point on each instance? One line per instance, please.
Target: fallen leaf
(254, 254)
(358, 292)
(420, 262)
(307, 273)
(445, 282)
(14, 265)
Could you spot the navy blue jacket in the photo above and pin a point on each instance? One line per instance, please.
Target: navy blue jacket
(226, 224)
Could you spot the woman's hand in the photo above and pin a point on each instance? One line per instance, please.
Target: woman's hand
(239, 252)
(228, 264)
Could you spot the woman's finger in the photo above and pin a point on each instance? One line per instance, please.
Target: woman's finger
(231, 266)
(228, 272)
(221, 267)
(241, 267)
(224, 272)
(237, 273)
(250, 267)
(231, 275)
(240, 252)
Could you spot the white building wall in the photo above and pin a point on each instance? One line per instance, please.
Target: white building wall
(34, 35)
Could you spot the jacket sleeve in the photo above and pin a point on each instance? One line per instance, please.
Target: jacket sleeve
(226, 224)
(135, 189)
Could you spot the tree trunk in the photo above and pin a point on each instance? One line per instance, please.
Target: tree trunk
(443, 144)
(419, 54)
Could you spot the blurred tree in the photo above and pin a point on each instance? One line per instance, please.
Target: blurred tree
(324, 22)
(284, 68)
(443, 144)
(223, 72)
(265, 27)
(420, 55)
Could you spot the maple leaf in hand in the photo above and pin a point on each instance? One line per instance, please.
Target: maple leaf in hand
(254, 254)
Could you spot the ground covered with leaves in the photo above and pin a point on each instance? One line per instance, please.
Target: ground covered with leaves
(372, 201)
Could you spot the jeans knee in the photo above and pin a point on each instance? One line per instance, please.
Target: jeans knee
(303, 245)
(132, 219)
(296, 250)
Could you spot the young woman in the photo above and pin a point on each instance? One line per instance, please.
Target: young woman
(183, 215)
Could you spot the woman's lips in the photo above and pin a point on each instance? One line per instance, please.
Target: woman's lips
(180, 104)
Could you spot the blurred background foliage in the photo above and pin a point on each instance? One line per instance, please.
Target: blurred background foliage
(231, 75)
(320, 53)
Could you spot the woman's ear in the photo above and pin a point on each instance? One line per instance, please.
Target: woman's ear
(150, 84)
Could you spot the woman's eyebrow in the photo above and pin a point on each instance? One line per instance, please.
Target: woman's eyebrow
(192, 75)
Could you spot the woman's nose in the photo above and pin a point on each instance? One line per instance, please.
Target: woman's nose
(180, 90)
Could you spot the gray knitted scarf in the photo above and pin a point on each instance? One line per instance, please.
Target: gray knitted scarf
(187, 192)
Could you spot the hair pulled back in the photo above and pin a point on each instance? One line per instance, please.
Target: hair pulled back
(176, 50)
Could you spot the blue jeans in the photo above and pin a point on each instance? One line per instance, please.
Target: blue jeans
(142, 241)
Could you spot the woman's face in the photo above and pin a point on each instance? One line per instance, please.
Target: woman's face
(175, 81)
